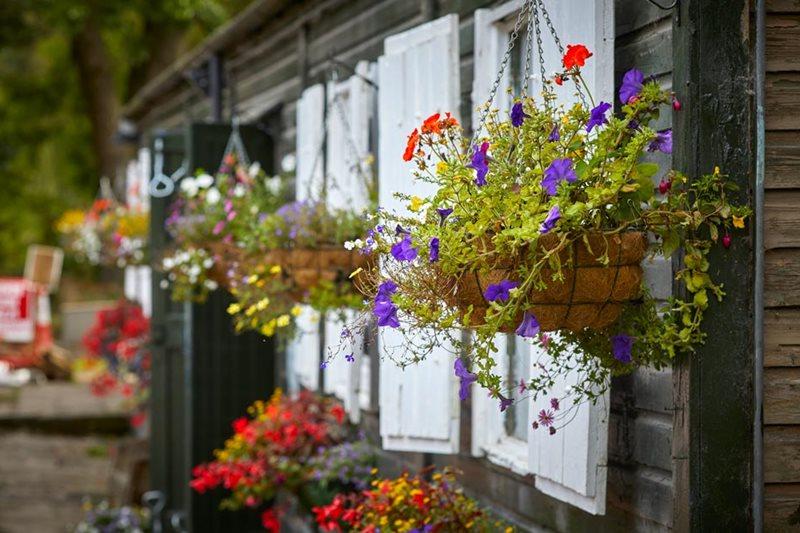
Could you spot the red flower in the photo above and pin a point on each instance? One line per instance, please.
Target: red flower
(576, 56)
(338, 412)
(448, 121)
(327, 516)
(431, 124)
(726, 240)
(559, 80)
(664, 186)
(239, 425)
(138, 419)
(270, 522)
(411, 145)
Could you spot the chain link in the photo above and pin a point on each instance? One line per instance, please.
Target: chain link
(538, 30)
(526, 75)
(484, 112)
(560, 47)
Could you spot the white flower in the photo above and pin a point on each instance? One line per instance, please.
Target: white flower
(273, 184)
(211, 284)
(194, 271)
(288, 163)
(254, 169)
(208, 263)
(213, 196)
(239, 190)
(349, 245)
(168, 263)
(189, 186)
(164, 284)
(359, 243)
(204, 181)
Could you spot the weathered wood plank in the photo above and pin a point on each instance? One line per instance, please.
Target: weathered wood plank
(781, 501)
(782, 101)
(650, 51)
(783, 43)
(782, 278)
(642, 438)
(632, 15)
(781, 394)
(783, 6)
(782, 454)
(782, 337)
(783, 160)
(782, 219)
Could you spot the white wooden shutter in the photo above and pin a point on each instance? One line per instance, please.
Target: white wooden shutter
(418, 75)
(570, 465)
(303, 352)
(350, 105)
(137, 196)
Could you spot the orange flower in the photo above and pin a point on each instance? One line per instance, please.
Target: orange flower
(431, 124)
(448, 121)
(411, 145)
(576, 56)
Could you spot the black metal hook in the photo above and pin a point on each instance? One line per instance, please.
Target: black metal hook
(676, 4)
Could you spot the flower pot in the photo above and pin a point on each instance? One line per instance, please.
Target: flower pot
(589, 295)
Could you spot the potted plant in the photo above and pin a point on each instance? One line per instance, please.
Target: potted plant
(408, 503)
(541, 225)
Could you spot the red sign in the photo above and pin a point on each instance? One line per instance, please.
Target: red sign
(17, 321)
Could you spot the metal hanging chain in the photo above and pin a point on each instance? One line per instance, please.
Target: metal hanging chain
(526, 73)
(235, 145)
(540, 50)
(557, 40)
(484, 112)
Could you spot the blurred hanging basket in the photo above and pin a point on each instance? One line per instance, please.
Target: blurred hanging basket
(590, 294)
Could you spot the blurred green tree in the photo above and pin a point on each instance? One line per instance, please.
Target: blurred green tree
(66, 68)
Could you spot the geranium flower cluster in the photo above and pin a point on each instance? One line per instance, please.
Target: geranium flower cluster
(509, 211)
(271, 449)
(408, 504)
(118, 340)
(108, 233)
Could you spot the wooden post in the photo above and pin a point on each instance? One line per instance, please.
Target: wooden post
(713, 444)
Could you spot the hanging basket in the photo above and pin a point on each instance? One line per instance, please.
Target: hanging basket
(590, 295)
(309, 266)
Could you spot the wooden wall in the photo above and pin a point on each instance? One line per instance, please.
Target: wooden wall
(269, 72)
(782, 263)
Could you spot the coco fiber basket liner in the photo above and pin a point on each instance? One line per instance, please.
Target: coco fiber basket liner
(591, 294)
(309, 266)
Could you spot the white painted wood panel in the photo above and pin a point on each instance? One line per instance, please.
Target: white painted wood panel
(303, 353)
(418, 75)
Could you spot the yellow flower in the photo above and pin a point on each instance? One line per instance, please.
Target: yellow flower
(275, 270)
(283, 321)
(416, 203)
(738, 222)
(252, 279)
(296, 310)
(356, 272)
(262, 304)
(267, 331)
(441, 167)
(234, 308)
(251, 310)
(716, 171)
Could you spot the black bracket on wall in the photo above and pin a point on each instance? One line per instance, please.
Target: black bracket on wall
(676, 5)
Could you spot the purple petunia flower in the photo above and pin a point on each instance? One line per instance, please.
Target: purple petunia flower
(433, 255)
(444, 213)
(662, 142)
(529, 327)
(505, 403)
(631, 87)
(621, 346)
(385, 291)
(350, 358)
(546, 418)
(500, 291)
(386, 313)
(467, 378)
(555, 135)
(398, 230)
(404, 250)
(558, 171)
(550, 222)
(480, 162)
(518, 115)
(598, 116)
